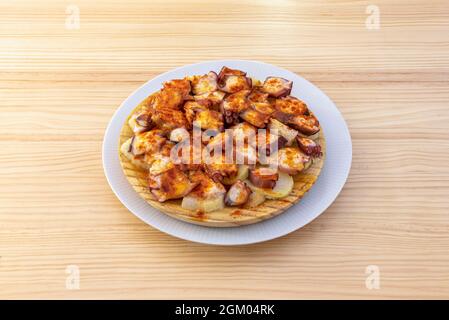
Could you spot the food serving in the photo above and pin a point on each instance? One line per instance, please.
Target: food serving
(222, 149)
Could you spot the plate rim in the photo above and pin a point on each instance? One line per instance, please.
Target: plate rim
(166, 227)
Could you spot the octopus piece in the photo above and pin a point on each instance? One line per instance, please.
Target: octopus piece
(236, 102)
(309, 147)
(233, 105)
(146, 160)
(187, 157)
(244, 133)
(181, 85)
(290, 160)
(199, 115)
(160, 164)
(268, 143)
(147, 103)
(258, 114)
(255, 118)
(154, 182)
(263, 107)
(192, 107)
(219, 141)
(238, 194)
(218, 168)
(164, 151)
(277, 87)
(306, 124)
(233, 84)
(169, 119)
(207, 196)
(287, 108)
(171, 184)
(179, 134)
(263, 177)
(206, 186)
(139, 161)
(215, 97)
(258, 96)
(205, 84)
(141, 121)
(144, 120)
(169, 98)
(208, 119)
(232, 80)
(294, 112)
(208, 135)
(147, 142)
(225, 71)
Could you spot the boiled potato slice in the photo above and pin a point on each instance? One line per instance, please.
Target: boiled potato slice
(283, 187)
(242, 174)
(255, 198)
(193, 203)
(137, 161)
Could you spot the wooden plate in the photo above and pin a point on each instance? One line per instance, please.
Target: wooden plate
(229, 216)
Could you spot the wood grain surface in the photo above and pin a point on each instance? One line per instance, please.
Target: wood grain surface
(60, 85)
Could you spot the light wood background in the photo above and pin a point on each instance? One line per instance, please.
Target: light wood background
(59, 88)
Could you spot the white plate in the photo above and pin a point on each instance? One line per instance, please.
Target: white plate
(330, 182)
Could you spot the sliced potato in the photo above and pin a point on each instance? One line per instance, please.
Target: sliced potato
(193, 203)
(138, 161)
(283, 187)
(277, 87)
(255, 198)
(242, 174)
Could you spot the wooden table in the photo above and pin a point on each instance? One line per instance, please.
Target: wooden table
(60, 85)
